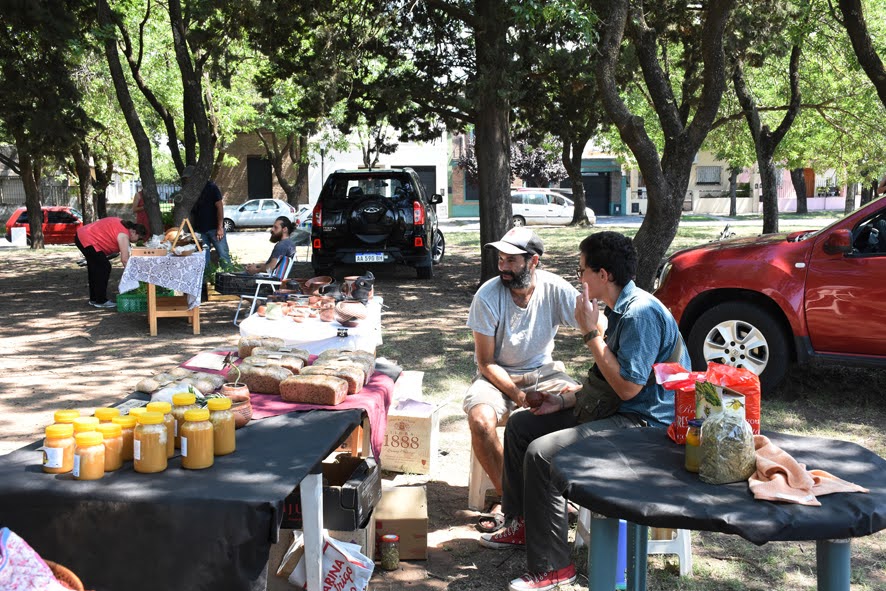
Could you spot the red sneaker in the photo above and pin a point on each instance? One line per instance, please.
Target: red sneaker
(543, 581)
(514, 535)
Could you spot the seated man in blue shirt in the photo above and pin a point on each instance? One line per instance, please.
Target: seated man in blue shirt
(284, 246)
(636, 332)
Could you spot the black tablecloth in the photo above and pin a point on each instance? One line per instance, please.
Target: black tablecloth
(638, 475)
(179, 529)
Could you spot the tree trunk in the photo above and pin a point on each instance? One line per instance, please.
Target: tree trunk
(103, 177)
(733, 188)
(492, 128)
(799, 182)
(81, 158)
(33, 199)
(133, 122)
(572, 150)
(766, 164)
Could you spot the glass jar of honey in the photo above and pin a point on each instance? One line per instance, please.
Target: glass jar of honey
(165, 409)
(135, 412)
(149, 443)
(181, 403)
(196, 440)
(112, 438)
(104, 415)
(58, 449)
(127, 426)
(222, 420)
(693, 445)
(89, 456)
(84, 424)
(65, 416)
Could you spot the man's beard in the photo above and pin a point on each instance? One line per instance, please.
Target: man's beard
(276, 237)
(520, 280)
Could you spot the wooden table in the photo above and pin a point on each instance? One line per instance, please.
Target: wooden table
(183, 274)
(170, 307)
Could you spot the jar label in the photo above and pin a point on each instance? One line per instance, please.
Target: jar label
(76, 465)
(136, 449)
(184, 447)
(53, 457)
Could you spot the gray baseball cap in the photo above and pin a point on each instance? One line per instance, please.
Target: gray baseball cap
(188, 171)
(519, 241)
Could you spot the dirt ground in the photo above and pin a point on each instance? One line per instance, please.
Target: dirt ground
(60, 353)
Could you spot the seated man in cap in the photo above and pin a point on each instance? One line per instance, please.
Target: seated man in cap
(514, 318)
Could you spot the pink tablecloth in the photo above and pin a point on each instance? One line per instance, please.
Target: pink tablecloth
(374, 398)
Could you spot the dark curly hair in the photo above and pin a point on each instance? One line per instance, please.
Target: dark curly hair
(286, 223)
(611, 251)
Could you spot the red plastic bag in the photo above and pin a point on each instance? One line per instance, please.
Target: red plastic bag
(742, 381)
(674, 377)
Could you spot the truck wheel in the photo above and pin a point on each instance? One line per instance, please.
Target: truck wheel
(741, 335)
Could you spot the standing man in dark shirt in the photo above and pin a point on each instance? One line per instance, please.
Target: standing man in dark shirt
(209, 215)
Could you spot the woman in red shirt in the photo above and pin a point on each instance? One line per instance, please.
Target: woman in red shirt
(96, 241)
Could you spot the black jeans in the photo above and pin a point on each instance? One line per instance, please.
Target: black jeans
(530, 445)
(98, 269)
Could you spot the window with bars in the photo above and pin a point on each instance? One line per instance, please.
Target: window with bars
(707, 175)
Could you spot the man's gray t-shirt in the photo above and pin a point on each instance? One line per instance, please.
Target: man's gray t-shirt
(524, 338)
(284, 248)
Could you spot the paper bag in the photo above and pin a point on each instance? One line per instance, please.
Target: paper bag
(344, 567)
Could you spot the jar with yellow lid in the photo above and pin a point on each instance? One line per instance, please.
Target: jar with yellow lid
(58, 449)
(104, 415)
(222, 420)
(65, 416)
(127, 427)
(112, 438)
(89, 456)
(165, 409)
(84, 424)
(196, 440)
(135, 412)
(149, 443)
(181, 403)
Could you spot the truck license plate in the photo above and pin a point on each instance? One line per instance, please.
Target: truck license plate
(370, 257)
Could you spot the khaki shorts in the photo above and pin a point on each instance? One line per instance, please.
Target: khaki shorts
(552, 377)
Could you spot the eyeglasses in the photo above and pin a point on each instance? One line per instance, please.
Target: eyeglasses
(580, 271)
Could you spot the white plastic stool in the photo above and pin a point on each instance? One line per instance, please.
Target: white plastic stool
(681, 545)
(478, 480)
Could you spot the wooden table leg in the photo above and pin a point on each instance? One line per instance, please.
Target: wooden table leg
(196, 318)
(152, 309)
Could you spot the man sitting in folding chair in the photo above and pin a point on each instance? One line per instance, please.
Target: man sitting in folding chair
(271, 273)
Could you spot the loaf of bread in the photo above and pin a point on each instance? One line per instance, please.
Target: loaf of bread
(263, 378)
(352, 374)
(364, 359)
(265, 351)
(290, 362)
(247, 344)
(314, 389)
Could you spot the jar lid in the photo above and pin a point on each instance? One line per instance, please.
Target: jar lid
(183, 399)
(390, 538)
(106, 414)
(197, 414)
(66, 415)
(109, 430)
(138, 410)
(82, 424)
(89, 438)
(126, 422)
(60, 430)
(150, 418)
(159, 406)
(219, 403)
(695, 422)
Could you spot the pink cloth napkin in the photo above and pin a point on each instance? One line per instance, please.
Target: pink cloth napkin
(779, 477)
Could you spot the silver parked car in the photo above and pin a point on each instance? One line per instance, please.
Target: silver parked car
(257, 213)
(543, 206)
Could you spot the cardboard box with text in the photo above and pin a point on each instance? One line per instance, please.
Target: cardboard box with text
(404, 511)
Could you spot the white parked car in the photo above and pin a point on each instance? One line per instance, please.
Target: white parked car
(257, 213)
(303, 219)
(543, 206)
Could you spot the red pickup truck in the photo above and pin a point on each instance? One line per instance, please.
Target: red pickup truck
(765, 302)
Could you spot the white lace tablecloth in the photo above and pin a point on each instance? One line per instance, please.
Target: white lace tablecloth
(184, 274)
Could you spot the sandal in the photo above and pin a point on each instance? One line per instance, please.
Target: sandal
(490, 521)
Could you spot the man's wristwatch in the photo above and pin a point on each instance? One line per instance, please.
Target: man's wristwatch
(590, 335)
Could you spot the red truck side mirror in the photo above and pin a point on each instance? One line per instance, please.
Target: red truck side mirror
(839, 242)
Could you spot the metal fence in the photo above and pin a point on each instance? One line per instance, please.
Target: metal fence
(12, 192)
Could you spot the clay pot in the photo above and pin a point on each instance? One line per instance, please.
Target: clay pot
(348, 285)
(301, 282)
(349, 313)
(327, 314)
(261, 310)
(241, 404)
(314, 284)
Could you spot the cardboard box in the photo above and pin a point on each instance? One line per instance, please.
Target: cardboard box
(351, 489)
(410, 444)
(404, 511)
(148, 252)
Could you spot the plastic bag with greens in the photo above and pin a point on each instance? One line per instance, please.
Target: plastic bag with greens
(727, 444)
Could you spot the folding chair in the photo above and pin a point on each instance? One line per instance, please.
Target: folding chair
(272, 280)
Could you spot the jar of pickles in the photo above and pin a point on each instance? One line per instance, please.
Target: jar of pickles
(127, 426)
(196, 440)
(222, 420)
(165, 409)
(104, 415)
(693, 445)
(389, 551)
(149, 443)
(89, 456)
(112, 439)
(181, 403)
(66, 416)
(58, 449)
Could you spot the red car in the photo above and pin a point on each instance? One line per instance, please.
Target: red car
(60, 224)
(765, 302)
